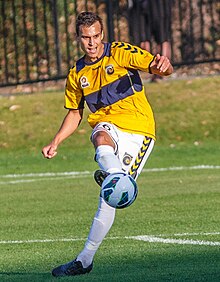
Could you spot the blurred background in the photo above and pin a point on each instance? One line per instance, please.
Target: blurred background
(37, 38)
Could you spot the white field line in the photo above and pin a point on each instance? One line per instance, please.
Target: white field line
(23, 178)
(42, 241)
(47, 174)
(145, 238)
(152, 239)
(41, 179)
(195, 234)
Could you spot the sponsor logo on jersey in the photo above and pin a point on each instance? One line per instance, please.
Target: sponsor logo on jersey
(84, 82)
(127, 159)
(109, 69)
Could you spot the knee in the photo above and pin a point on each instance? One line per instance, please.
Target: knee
(102, 138)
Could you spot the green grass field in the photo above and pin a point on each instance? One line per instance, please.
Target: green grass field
(170, 233)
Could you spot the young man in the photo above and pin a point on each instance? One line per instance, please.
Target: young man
(107, 79)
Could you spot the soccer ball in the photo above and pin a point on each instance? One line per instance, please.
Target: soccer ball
(119, 190)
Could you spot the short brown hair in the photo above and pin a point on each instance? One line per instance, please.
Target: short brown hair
(87, 19)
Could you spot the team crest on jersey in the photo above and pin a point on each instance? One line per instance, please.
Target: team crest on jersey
(127, 159)
(84, 82)
(109, 69)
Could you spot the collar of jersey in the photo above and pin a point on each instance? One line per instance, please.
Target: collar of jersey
(81, 62)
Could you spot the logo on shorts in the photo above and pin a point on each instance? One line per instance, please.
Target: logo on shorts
(106, 126)
(109, 69)
(84, 82)
(127, 159)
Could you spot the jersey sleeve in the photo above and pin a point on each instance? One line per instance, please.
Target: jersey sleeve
(74, 98)
(129, 56)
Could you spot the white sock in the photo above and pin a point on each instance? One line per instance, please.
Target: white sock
(107, 159)
(102, 223)
(104, 218)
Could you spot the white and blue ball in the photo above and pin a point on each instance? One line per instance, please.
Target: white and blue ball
(119, 190)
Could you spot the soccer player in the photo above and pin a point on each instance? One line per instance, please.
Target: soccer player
(107, 79)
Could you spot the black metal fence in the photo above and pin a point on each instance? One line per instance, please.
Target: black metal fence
(37, 41)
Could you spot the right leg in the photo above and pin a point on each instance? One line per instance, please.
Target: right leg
(146, 45)
(166, 49)
(105, 141)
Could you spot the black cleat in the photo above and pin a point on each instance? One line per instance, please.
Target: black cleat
(71, 268)
(100, 176)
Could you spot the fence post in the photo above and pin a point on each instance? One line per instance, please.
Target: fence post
(4, 31)
(110, 22)
(56, 36)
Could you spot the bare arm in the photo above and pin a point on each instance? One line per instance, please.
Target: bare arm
(161, 65)
(69, 125)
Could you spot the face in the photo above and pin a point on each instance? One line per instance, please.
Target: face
(90, 39)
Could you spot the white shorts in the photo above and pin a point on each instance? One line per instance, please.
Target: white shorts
(132, 149)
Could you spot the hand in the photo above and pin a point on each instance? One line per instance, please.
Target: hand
(163, 64)
(49, 151)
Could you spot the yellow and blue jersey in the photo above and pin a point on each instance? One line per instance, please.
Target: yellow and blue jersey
(112, 88)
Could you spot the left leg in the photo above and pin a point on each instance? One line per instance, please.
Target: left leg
(101, 225)
(105, 141)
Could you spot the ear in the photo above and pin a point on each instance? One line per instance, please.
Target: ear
(102, 35)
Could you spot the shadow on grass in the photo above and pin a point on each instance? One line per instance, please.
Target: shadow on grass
(25, 276)
(169, 264)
